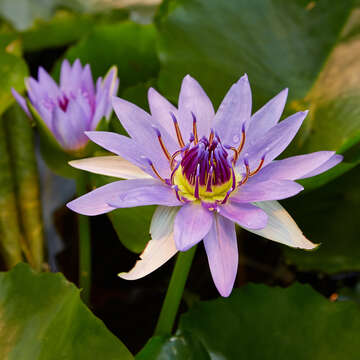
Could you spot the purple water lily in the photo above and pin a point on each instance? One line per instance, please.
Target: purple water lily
(206, 171)
(72, 107)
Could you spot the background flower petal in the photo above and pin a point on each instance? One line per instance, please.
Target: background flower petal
(21, 101)
(222, 253)
(192, 223)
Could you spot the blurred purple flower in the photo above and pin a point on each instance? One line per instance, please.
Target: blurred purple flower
(207, 172)
(72, 107)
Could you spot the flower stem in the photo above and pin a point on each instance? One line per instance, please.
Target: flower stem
(84, 245)
(174, 292)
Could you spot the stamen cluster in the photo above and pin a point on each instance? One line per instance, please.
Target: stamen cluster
(202, 169)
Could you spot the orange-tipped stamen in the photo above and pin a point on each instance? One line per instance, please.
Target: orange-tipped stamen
(247, 175)
(163, 147)
(242, 143)
(154, 170)
(259, 167)
(178, 132)
(196, 140)
(211, 136)
(236, 154)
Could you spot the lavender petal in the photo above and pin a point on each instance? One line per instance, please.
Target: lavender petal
(265, 191)
(192, 223)
(246, 215)
(222, 253)
(295, 167)
(97, 201)
(265, 118)
(157, 194)
(21, 101)
(234, 111)
(193, 99)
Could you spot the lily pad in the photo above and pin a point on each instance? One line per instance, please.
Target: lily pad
(259, 322)
(42, 317)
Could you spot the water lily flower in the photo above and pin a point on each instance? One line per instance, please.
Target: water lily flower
(72, 107)
(207, 172)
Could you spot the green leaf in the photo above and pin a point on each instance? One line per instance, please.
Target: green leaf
(23, 13)
(13, 70)
(132, 224)
(182, 346)
(129, 46)
(42, 317)
(259, 322)
(65, 28)
(298, 44)
(22, 149)
(330, 216)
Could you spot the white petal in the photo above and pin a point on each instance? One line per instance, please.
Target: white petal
(112, 166)
(281, 227)
(160, 248)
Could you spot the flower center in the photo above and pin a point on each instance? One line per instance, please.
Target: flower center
(203, 170)
(63, 102)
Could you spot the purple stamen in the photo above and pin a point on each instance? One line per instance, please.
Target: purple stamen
(196, 193)
(209, 180)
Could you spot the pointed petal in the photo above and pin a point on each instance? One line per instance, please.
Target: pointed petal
(246, 215)
(274, 142)
(65, 76)
(221, 249)
(281, 227)
(267, 190)
(160, 248)
(140, 126)
(193, 99)
(333, 161)
(295, 167)
(21, 101)
(233, 112)
(122, 146)
(265, 118)
(97, 201)
(157, 194)
(192, 223)
(47, 83)
(106, 89)
(75, 79)
(161, 109)
(111, 166)
(87, 81)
